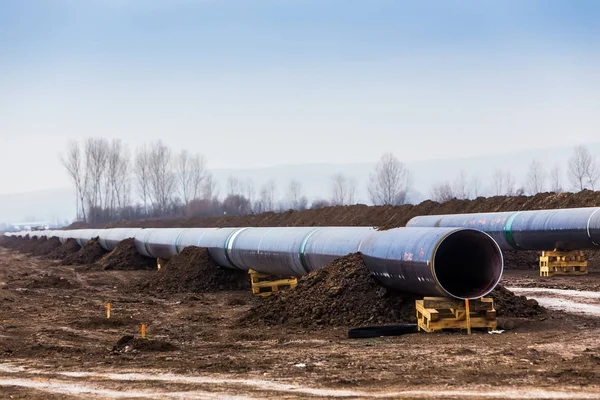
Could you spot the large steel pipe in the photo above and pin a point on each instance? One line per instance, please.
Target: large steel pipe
(461, 263)
(562, 229)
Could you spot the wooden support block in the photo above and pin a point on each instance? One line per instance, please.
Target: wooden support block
(562, 263)
(438, 313)
(265, 284)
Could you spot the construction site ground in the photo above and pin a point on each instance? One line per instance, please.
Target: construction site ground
(56, 343)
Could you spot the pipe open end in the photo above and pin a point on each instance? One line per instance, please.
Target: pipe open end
(468, 264)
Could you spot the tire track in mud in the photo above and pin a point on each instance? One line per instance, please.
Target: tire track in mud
(110, 385)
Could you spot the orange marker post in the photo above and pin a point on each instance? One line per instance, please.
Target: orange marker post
(143, 331)
(107, 310)
(468, 311)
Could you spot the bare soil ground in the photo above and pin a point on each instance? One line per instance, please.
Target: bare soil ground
(56, 343)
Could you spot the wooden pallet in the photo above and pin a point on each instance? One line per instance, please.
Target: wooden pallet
(562, 263)
(264, 285)
(438, 313)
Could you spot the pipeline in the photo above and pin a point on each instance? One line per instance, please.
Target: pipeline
(561, 229)
(460, 263)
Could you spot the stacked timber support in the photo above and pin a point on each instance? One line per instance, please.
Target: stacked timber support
(266, 284)
(438, 313)
(562, 263)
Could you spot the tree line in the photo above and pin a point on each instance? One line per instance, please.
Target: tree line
(582, 172)
(112, 183)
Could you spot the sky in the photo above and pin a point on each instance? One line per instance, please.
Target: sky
(271, 82)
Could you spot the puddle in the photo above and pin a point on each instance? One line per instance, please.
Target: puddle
(564, 300)
(560, 292)
(74, 388)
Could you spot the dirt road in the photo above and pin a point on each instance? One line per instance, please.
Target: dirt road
(56, 343)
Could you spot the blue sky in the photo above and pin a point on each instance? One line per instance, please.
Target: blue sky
(260, 83)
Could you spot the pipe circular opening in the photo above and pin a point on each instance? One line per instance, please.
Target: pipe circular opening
(468, 264)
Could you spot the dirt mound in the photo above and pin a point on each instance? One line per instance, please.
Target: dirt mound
(46, 246)
(193, 270)
(382, 216)
(88, 254)
(342, 293)
(28, 244)
(51, 281)
(126, 257)
(129, 343)
(66, 249)
(508, 304)
(523, 260)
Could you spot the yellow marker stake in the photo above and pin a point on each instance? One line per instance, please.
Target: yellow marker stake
(143, 331)
(468, 316)
(107, 310)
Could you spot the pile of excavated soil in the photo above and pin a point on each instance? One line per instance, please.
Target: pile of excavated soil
(126, 257)
(88, 254)
(193, 270)
(28, 244)
(508, 304)
(65, 250)
(46, 246)
(344, 293)
(522, 260)
(129, 344)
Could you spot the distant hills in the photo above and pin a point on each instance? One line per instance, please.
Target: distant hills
(59, 205)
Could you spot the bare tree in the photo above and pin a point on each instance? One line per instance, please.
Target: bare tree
(498, 182)
(509, 183)
(460, 187)
(503, 183)
(74, 164)
(296, 200)
(442, 192)
(117, 175)
(536, 178)
(209, 188)
(343, 190)
(476, 187)
(266, 200)
(555, 179)
(96, 157)
(162, 177)
(390, 182)
(249, 191)
(191, 172)
(234, 186)
(142, 175)
(583, 171)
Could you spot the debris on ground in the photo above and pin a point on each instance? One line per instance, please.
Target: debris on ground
(126, 257)
(45, 281)
(130, 343)
(193, 270)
